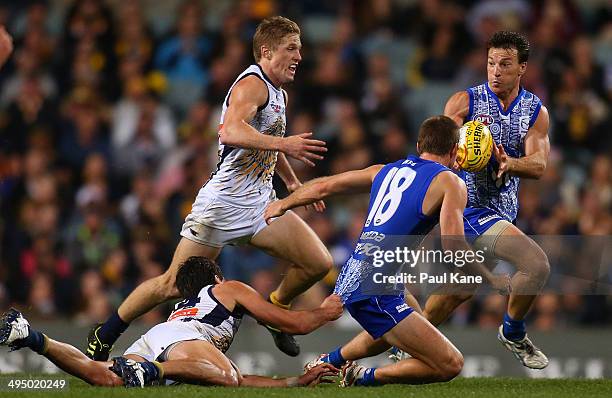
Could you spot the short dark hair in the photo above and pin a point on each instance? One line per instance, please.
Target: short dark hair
(438, 135)
(270, 32)
(508, 40)
(195, 273)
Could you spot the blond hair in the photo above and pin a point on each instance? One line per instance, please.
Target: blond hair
(270, 32)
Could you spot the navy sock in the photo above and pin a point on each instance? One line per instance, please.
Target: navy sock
(35, 341)
(112, 329)
(151, 372)
(514, 330)
(335, 358)
(368, 378)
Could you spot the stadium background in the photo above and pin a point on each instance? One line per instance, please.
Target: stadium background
(108, 129)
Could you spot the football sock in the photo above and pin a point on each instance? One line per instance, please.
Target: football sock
(514, 330)
(335, 358)
(152, 372)
(274, 300)
(368, 378)
(36, 341)
(112, 329)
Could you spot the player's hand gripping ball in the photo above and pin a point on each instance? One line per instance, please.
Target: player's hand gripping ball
(475, 146)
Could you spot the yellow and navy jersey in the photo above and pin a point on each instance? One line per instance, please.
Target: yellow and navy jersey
(244, 176)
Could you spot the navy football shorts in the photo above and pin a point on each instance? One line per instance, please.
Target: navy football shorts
(477, 220)
(379, 314)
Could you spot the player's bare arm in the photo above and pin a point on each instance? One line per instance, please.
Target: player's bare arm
(451, 228)
(293, 322)
(537, 148)
(6, 45)
(292, 182)
(457, 107)
(247, 95)
(355, 181)
(311, 377)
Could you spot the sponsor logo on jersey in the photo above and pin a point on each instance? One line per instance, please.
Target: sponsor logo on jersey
(276, 107)
(484, 119)
(401, 307)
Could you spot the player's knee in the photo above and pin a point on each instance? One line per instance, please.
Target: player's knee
(318, 268)
(167, 285)
(326, 264)
(539, 267)
(232, 379)
(451, 367)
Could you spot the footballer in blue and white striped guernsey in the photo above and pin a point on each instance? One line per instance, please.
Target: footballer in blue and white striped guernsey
(519, 125)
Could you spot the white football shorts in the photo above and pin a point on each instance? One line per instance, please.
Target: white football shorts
(216, 223)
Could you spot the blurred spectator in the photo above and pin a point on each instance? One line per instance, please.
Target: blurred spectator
(92, 235)
(143, 129)
(83, 132)
(184, 57)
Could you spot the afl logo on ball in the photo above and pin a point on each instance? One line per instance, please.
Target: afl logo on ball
(484, 119)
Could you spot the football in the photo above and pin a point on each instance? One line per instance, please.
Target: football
(475, 146)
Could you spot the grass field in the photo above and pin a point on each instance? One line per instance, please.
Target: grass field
(459, 388)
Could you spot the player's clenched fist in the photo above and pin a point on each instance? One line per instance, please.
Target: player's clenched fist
(301, 147)
(6, 45)
(332, 306)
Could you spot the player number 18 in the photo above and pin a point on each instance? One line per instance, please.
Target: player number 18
(389, 195)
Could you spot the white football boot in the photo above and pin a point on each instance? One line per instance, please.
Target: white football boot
(13, 327)
(351, 373)
(524, 350)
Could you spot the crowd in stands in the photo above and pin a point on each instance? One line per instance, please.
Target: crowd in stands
(109, 113)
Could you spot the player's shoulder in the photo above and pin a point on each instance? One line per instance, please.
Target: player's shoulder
(229, 285)
(249, 88)
(449, 180)
(459, 97)
(458, 106)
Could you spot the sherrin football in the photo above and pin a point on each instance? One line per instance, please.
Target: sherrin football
(475, 146)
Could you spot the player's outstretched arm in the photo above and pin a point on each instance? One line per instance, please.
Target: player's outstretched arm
(457, 107)
(537, 148)
(452, 234)
(247, 95)
(292, 182)
(292, 322)
(312, 377)
(356, 181)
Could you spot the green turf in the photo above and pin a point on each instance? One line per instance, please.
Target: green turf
(459, 388)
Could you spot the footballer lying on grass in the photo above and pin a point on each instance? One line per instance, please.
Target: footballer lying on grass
(189, 347)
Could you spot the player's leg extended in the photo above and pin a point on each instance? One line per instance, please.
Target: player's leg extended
(16, 332)
(434, 357)
(74, 362)
(162, 288)
(145, 297)
(532, 269)
(291, 239)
